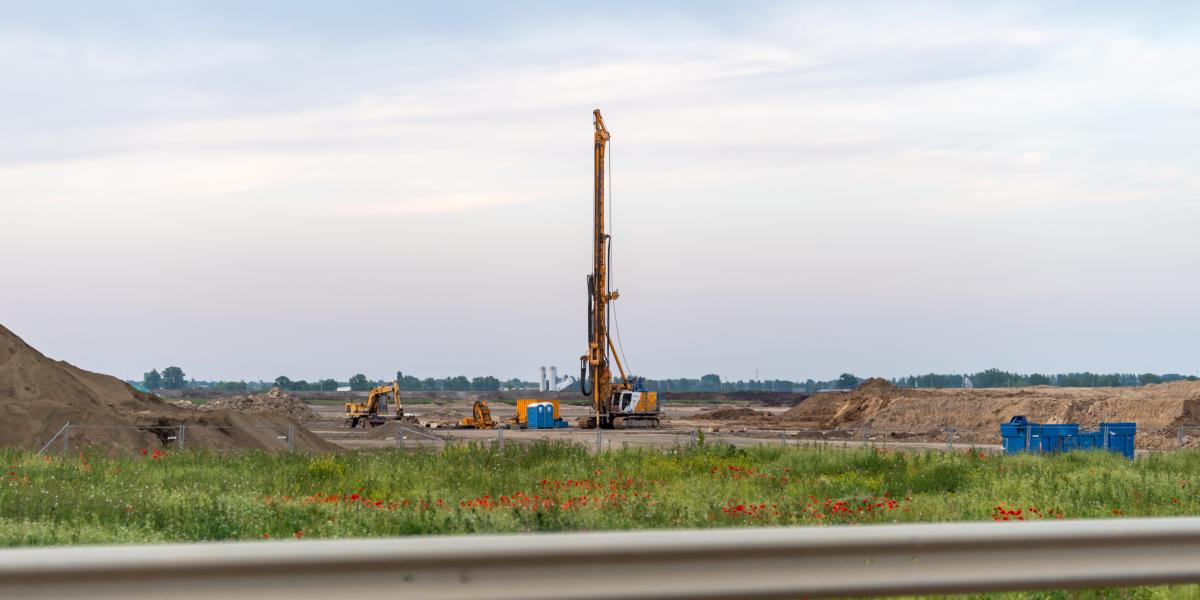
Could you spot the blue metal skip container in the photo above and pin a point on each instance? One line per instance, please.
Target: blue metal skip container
(1118, 437)
(1054, 437)
(1017, 433)
(1020, 435)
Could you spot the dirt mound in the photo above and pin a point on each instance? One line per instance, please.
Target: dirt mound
(730, 413)
(443, 417)
(762, 398)
(39, 395)
(275, 401)
(1157, 409)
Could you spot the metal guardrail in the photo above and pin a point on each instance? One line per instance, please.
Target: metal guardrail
(717, 563)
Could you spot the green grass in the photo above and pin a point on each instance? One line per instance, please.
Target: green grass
(196, 496)
(465, 489)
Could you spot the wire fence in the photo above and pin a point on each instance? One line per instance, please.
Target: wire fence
(73, 436)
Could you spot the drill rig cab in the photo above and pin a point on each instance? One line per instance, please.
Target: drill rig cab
(373, 411)
(623, 403)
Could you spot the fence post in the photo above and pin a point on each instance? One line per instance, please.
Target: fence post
(866, 436)
(179, 439)
(695, 437)
(291, 437)
(400, 437)
(67, 439)
(53, 439)
(500, 434)
(1181, 436)
(1028, 438)
(950, 438)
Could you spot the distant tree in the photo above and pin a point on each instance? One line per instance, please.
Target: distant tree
(300, 386)
(1148, 378)
(848, 381)
(152, 380)
(408, 382)
(485, 384)
(282, 382)
(327, 385)
(458, 383)
(360, 383)
(710, 382)
(173, 378)
(429, 384)
(231, 386)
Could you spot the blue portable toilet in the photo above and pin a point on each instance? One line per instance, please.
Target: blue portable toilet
(541, 415)
(1118, 437)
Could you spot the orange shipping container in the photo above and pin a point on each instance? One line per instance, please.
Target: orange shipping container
(524, 403)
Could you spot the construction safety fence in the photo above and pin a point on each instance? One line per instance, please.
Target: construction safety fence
(175, 437)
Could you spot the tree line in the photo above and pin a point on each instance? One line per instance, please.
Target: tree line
(173, 378)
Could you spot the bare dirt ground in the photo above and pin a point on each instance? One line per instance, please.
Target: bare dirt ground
(876, 413)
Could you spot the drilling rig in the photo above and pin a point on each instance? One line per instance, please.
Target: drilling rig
(618, 404)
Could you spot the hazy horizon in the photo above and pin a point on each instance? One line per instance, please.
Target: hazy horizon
(798, 189)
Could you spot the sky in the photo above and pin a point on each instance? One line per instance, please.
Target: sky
(318, 189)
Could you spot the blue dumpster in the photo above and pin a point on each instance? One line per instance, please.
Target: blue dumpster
(1013, 434)
(1083, 440)
(1118, 437)
(1054, 437)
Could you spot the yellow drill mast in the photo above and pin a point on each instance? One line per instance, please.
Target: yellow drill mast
(616, 404)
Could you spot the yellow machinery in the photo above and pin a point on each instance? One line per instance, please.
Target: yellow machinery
(373, 411)
(481, 417)
(617, 404)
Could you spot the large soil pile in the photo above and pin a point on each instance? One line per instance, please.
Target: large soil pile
(39, 395)
(1157, 409)
(275, 401)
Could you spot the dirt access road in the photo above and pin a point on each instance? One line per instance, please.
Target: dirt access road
(680, 427)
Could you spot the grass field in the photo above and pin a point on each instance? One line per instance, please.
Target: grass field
(82, 498)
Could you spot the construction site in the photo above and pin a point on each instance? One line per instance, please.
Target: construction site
(61, 407)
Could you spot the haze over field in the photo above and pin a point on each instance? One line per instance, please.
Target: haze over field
(313, 190)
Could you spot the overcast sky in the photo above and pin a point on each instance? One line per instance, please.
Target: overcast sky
(319, 189)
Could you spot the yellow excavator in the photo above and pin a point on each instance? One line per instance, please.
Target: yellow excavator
(622, 404)
(372, 412)
(481, 417)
